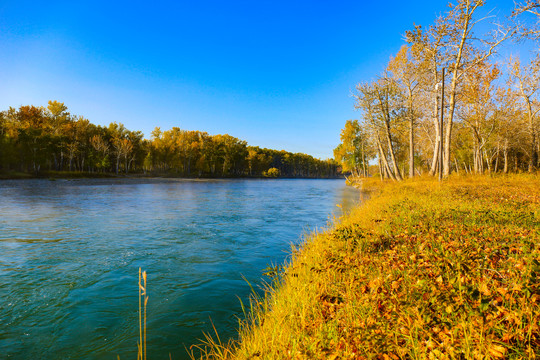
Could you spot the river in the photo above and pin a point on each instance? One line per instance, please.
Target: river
(70, 251)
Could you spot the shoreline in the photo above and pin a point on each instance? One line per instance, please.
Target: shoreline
(106, 176)
(423, 269)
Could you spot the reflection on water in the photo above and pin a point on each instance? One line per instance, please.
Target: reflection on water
(70, 253)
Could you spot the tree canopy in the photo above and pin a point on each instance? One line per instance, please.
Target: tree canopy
(44, 139)
(445, 103)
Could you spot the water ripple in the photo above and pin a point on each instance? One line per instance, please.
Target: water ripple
(70, 253)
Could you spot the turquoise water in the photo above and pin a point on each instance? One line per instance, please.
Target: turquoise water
(70, 253)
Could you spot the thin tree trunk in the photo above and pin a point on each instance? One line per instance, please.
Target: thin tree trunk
(411, 136)
(384, 161)
(533, 158)
(488, 161)
(434, 160)
(505, 160)
(496, 168)
(397, 174)
(364, 160)
(449, 123)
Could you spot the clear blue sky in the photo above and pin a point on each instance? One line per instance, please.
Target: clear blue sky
(277, 74)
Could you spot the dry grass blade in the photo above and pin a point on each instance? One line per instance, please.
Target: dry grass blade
(143, 301)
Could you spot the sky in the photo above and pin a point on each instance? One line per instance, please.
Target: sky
(278, 74)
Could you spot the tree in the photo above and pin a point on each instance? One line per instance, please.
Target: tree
(31, 123)
(60, 120)
(136, 152)
(353, 153)
(430, 47)
(102, 147)
(470, 52)
(233, 153)
(123, 148)
(120, 143)
(461, 50)
(272, 172)
(531, 7)
(382, 107)
(479, 110)
(527, 80)
(407, 69)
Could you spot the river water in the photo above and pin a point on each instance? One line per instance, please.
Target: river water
(70, 251)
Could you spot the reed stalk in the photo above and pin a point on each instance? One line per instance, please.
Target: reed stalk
(143, 301)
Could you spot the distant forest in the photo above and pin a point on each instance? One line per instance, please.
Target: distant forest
(41, 140)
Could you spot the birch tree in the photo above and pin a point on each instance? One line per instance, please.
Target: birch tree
(478, 110)
(456, 47)
(526, 80)
(467, 51)
(407, 68)
(381, 105)
(430, 45)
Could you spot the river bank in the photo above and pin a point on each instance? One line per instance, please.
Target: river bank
(54, 175)
(422, 270)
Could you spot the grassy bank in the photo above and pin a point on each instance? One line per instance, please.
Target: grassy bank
(422, 270)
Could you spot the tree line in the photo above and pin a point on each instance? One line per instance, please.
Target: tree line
(445, 103)
(39, 140)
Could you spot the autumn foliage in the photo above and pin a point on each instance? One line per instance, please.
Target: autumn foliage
(51, 141)
(446, 103)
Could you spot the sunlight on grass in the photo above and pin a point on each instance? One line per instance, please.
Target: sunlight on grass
(422, 270)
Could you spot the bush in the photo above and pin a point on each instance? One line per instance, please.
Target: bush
(272, 172)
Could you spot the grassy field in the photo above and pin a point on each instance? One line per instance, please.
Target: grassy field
(424, 270)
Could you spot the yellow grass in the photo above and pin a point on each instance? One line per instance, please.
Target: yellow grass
(423, 270)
